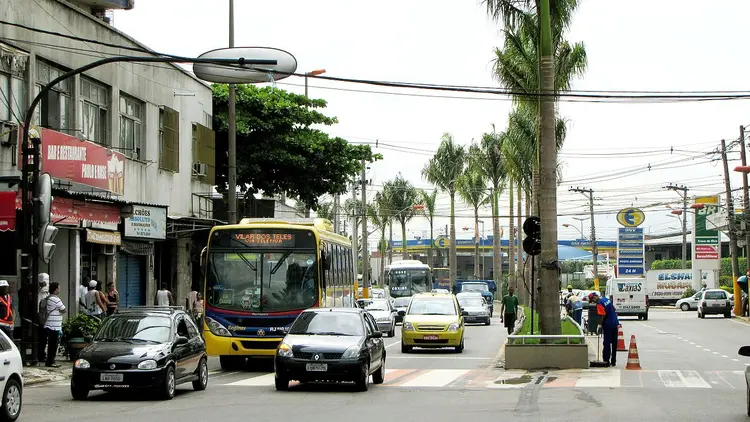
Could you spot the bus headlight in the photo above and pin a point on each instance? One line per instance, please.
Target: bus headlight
(216, 328)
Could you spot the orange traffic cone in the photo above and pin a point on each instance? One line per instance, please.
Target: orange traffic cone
(634, 361)
(620, 340)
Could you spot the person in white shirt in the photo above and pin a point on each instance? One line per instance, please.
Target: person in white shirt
(164, 296)
(43, 279)
(94, 301)
(53, 325)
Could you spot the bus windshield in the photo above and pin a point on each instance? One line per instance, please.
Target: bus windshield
(261, 276)
(409, 281)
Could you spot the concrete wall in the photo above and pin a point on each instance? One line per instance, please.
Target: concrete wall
(541, 356)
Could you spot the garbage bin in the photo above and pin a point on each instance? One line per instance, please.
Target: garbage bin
(593, 318)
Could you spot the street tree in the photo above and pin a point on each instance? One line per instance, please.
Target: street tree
(278, 150)
(403, 197)
(429, 199)
(472, 188)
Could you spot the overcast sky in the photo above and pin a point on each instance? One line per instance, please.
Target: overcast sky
(639, 45)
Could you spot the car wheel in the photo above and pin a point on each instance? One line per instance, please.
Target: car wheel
(282, 384)
(487, 322)
(379, 376)
(170, 384)
(460, 347)
(685, 307)
(362, 383)
(202, 382)
(405, 348)
(79, 393)
(12, 398)
(728, 315)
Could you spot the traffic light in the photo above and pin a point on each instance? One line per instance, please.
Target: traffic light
(532, 244)
(47, 231)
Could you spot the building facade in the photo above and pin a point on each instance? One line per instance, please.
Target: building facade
(129, 147)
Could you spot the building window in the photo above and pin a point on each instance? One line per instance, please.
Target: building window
(13, 102)
(131, 126)
(94, 106)
(169, 139)
(204, 154)
(208, 120)
(54, 110)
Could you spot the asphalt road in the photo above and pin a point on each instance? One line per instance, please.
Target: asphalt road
(679, 381)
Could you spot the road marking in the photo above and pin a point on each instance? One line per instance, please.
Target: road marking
(609, 379)
(436, 378)
(716, 353)
(682, 379)
(438, 357)
(736, 360)
(262, 380)
(708, 350)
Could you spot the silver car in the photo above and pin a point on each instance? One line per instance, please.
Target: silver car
(475, 305)
(384, 314)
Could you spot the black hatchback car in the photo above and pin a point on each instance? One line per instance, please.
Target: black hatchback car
(144, 347)
(331, 344)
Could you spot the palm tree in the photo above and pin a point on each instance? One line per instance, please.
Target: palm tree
(487, 159)
(386, 208)
(429, 200)
(380, 216)
(472, 188)
(443, 171)
(403, 197)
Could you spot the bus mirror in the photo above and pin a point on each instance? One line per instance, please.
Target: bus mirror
(203, 261)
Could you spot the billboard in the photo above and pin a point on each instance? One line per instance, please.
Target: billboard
(706, 239)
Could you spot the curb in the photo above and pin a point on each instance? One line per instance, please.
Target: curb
(499, 361)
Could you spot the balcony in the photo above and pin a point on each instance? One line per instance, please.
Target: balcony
(105, 4)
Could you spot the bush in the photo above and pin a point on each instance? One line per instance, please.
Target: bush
(566, 327)
(80, 325)
(728, 289)
(676, 264)
(689, 292)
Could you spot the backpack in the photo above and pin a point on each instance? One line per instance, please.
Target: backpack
(43, 314)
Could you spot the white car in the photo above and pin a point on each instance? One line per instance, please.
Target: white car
(11, 379)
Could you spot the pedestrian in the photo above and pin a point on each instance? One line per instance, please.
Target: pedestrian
(82, 290)
(94, 301)
(509, 310)
(53, 324)
(6, 309)
(575, 306)
(198, 309)
(43, 279)
(112, 298)
(608, 326)
(164, 296)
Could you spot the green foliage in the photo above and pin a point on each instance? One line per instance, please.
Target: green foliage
(567, 328)
(279, 151)
(728, 289)
(689, 292)
(726, 266)
(80, 326)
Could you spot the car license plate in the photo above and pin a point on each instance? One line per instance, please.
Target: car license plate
(431, 337)
(716, 305)
(316, 367)
(110, 377)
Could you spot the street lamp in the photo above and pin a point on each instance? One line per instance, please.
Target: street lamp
(579, 230)
(313, 73)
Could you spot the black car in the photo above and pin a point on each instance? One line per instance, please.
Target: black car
(331, 344)
(145, 347)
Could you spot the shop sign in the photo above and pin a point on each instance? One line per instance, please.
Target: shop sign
(147, 223)
(103, 237)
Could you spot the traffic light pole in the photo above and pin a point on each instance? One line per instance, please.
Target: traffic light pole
(30, 201)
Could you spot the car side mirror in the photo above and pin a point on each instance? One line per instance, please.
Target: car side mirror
(180, 340)
(402, 313)
(744, 351)
(464, 313)
(376, 334)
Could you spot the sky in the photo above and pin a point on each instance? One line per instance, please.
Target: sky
(625, 152)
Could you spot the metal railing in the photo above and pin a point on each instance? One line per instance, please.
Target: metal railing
(566, 337)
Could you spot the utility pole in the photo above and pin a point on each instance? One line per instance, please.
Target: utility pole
(746, 200)
(232, 139)
(355, 235)
(733, 250)
(365, 254)
(684, 190)
(594, 247)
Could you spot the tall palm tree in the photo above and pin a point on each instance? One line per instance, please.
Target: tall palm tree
(429, 200)
(385, 208)
(380, 216)
(403, 197)
(443, 171)
(472, 188)
(487, 159)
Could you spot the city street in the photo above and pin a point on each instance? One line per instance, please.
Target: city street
(690, 370)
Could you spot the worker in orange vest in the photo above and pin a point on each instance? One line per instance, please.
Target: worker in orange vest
(6, 309)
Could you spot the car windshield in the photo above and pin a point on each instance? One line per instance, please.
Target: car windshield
(377, 305)
(328, 324)
(262, 280)
(432, 307)
(473, 302)
(474, 287)
(402, 301)
(135, 328)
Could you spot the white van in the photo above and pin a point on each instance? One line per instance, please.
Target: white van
(629, 296)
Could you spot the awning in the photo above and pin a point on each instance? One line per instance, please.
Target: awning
(67, 211)
(103, 237)
(7, 211)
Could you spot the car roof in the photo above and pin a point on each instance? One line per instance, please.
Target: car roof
(441, 296)
(337, 310)
(169, 311)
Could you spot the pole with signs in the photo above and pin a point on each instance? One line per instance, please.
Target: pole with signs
(631, 253)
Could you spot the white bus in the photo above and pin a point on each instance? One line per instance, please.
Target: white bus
(407, 278)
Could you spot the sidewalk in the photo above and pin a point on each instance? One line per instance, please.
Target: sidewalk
(35, 375)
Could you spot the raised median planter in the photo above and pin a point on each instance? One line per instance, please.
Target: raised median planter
(565, 351)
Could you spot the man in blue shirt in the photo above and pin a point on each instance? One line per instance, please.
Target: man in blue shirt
(608, 325)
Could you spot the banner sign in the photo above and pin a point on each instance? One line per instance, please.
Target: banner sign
(631, 256)
(706, 240)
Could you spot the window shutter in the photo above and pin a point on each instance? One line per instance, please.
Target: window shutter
(207, 152)
(170, 158)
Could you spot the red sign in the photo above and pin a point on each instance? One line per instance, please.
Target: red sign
(65, 211)
(7, 211)
(706, 252)
(67, 157)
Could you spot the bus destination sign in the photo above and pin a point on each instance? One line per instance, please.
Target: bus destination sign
(265, 239)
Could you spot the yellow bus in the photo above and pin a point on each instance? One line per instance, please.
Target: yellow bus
(261, 273)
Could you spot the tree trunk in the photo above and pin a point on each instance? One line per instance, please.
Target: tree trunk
(382, 258)
(523, 293)
(404, 252)
(430, 261)
(452, 239)
(477, 255)
(549, 315)
(390, 239)
(511, 240)
(497, 242)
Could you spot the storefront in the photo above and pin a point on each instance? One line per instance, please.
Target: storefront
(143, 226)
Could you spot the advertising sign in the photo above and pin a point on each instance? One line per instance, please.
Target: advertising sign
(631, 217)
(69, 158)
(669, 285)
(706, 239)
(631, 257)
(147, 223)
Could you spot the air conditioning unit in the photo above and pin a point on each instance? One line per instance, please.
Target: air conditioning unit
(199, 169)
(107, 249)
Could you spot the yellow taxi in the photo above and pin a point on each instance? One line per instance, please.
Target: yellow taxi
(432, 320)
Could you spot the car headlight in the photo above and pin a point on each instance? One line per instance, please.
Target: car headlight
(216, 328)
(147, 364)
(82, 364)
(408, 326)
(351, 353)
(454, 327)
(482, 313)
(285, 350)
(384, 319)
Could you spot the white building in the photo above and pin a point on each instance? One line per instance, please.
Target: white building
(129, 146)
